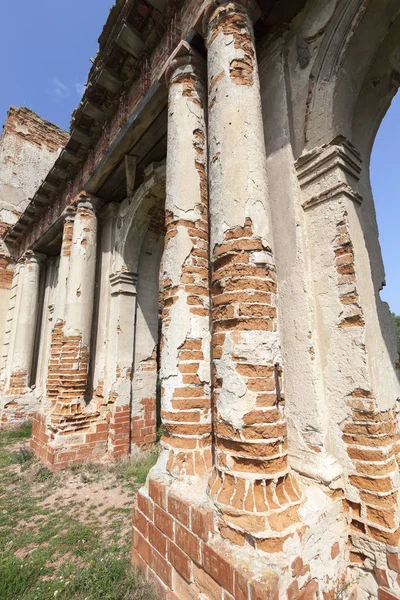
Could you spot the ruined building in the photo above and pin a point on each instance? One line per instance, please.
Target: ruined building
(220, 156)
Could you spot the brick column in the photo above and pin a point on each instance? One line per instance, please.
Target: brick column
(185, 364)
(251, 485)
(67, 430)
(59, 308)
(70, 350)
(23, 332)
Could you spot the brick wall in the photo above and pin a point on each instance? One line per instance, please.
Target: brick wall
(172, 545)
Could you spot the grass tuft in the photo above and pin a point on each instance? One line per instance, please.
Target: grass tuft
(56, 541)
(136, 467)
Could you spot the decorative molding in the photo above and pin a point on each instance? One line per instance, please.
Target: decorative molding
(109, 211)
(123, 282)
(336, 41)
(328, 172)
(86, 201)
(183, 55)
(33, 257)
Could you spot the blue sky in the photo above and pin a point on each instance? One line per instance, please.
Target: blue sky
(385, 167)
(45, 48)
(46, 45)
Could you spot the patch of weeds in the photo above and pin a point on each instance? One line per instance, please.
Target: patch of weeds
(6, 459)
(11, 436)
(16, 434)
(79, 539)
(107, 576)
(135, 468)
(43, 474)
(16, 576)
(55, 547)
(23, 455)
(89, 472)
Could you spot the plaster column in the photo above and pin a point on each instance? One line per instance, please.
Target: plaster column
(47, 317)
(64, 265)
(24, 324)
(71, 360)
(81, 283)
(185, 362)
(52, 384)
(251, 486)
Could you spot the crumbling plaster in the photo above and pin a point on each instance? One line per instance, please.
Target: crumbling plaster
(278, 473)
(28, 148)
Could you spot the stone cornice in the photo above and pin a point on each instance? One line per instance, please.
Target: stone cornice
(123, 282)
(328, 172)
(121, 58)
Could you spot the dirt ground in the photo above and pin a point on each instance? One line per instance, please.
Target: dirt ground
(67, 534)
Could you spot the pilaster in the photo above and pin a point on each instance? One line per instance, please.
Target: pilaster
(363, 429)
(123, 289)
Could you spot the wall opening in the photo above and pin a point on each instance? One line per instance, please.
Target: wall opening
(385, 181)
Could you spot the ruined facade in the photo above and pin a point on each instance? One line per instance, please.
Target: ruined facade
(28, 148)
(208, 234)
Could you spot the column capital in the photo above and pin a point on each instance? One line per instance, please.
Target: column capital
(69, 213)
(86, 201)
(31, 256)
(223, 8)
(184, 55)
(123, 282)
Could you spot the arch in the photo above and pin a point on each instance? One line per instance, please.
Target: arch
(135, 216)
(351, 81)
(129, 342)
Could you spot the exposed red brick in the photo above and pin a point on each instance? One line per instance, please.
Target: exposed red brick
(218, 568)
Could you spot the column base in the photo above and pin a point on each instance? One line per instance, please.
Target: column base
(15, 409)
(82, 442)
(89, 435)
(179, 548)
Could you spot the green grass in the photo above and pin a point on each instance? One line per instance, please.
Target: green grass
(59, 548)
(134, 469)
(12, 436)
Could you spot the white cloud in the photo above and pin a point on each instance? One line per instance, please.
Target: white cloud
(79, 88)
(58, 89)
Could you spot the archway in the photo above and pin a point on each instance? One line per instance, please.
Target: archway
(133, 346)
